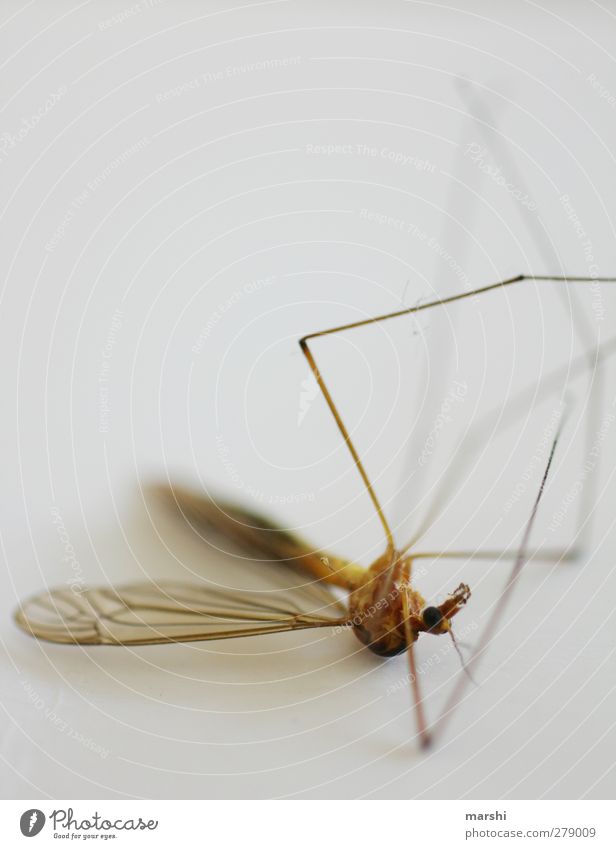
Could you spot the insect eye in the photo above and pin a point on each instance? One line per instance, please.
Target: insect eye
(432, 617)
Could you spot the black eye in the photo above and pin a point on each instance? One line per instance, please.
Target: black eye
(432, 617)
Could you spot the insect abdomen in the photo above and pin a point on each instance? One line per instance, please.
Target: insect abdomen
(386, 644)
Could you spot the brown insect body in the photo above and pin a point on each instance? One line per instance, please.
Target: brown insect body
(376, 609)
(386, 611)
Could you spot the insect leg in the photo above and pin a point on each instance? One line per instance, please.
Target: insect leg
(349, 442)
(397, 314)
(480, 108)
(450, 299)
(422, 726)
(547, 555)
(501, 604)
(498, 419)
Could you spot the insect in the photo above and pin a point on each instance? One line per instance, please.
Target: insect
(385, 611)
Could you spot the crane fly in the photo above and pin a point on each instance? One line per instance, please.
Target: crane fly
(384, 610)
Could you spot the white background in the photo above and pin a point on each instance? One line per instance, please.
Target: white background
(168, 177)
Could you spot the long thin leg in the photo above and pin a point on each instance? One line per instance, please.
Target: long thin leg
(476, 103)
(502, 284)
(347, 438)
(461, 206)
(548, 555)
(422, 726)
(480, 109)
(502, 602)
(495, 420)
(409, 311)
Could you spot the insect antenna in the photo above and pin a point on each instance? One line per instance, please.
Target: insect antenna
(503, 599)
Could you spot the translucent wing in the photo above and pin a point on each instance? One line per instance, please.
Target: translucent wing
(259, 536)
(166, 612)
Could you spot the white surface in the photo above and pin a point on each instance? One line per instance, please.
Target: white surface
(138, 347)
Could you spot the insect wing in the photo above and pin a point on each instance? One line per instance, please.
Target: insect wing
(258, 536)
(147, 613)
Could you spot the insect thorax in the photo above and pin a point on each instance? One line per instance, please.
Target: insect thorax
(377, 608)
